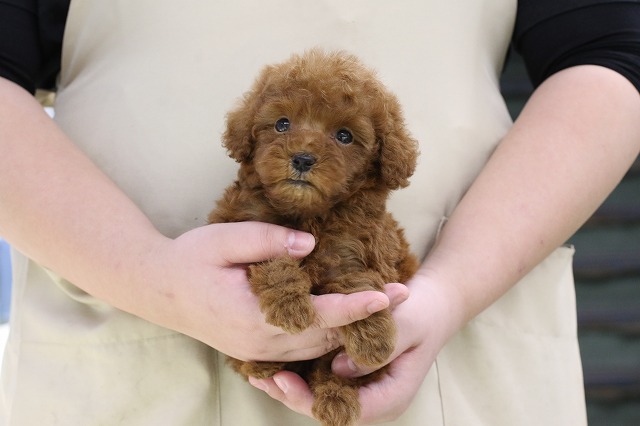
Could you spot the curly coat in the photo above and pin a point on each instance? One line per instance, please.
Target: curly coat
(321, 143)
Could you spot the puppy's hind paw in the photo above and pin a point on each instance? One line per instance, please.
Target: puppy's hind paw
(257, 369)
(336, 405)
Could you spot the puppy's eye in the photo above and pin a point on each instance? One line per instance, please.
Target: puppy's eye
(282, 125)
(344, 136)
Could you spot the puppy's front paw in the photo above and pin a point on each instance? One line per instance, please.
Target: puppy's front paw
(370, 342)
(292, 314)
(284, 292)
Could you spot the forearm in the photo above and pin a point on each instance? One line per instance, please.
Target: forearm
(61, 210)
(567, 151)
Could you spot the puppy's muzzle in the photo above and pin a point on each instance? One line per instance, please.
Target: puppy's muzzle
(303, 162)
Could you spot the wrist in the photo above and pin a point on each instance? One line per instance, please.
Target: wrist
(440, 295)
(151, 285)
(130, 272)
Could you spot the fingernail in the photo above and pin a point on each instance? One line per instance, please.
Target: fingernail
(300, 242)
(259, 384)
(340, 361)
(375, 306)
(352, 365)
(281, 384)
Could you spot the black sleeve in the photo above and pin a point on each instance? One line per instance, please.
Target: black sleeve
(31, 34)
(552, 35)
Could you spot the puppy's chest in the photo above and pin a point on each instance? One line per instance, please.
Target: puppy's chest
(323, 266)
(336, 257)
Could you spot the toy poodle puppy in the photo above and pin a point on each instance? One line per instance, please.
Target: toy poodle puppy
(321, 143)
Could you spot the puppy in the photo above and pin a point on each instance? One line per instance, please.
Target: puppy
(321, 143)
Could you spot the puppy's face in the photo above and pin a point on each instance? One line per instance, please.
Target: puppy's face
(316, 129)
(310, 154)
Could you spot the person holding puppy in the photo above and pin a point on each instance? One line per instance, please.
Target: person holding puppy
(124, 302)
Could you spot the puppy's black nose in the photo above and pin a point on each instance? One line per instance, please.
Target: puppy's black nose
(303, 162)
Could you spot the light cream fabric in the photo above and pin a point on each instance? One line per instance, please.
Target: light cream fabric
(144, 88)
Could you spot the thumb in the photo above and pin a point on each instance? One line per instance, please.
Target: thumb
(250, 242)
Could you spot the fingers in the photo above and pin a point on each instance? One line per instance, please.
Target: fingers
(386, 399)
(289, 389)
(332, 310)
(335, 310)
(380, 401)
(344, 366)
(397, 293)
(249, 242)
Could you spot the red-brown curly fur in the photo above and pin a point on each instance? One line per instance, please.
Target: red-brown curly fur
(308, 176)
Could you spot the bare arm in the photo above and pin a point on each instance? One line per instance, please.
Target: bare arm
(62, 211)
(569, 148)
(48, 186)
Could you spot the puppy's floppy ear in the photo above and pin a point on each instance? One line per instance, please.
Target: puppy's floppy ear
(398, 150)
(238, 137)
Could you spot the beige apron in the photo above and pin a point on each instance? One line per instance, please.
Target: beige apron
(144, 89)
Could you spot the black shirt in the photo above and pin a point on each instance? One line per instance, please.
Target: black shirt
(550, 34)
(31, 41)
(555, 34)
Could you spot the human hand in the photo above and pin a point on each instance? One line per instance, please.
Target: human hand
(203, 274)
(422, 329)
